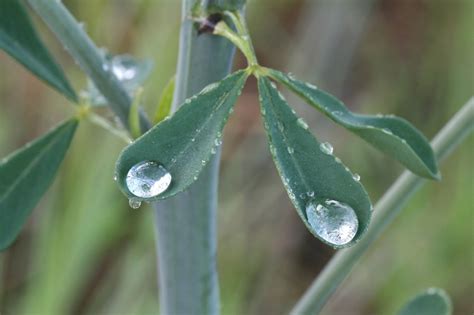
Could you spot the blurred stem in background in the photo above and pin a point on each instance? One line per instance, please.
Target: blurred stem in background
(392, 202)
(186, 224)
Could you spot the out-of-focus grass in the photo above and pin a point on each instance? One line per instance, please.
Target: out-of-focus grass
(85, 252)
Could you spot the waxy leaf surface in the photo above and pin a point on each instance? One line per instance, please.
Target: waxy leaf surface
(25, 176)
(392, 135)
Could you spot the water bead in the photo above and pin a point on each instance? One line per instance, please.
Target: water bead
(148, 179)
(333, 221)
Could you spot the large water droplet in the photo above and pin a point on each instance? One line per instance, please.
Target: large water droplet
(148, 179)
(326, 147)
(333, 221)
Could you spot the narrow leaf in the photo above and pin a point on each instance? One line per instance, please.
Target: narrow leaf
(311, 174)
(392, 135)
(19, 39)
(25, 176)
(163, 108)
(184, 143)
(430, 302)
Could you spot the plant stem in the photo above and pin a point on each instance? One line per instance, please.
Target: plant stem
(388, 207)
(186, 224)
(88, 56)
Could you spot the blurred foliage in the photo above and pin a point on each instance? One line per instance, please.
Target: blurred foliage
(85, 252)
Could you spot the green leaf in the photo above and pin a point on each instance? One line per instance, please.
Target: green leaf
(309, 173)
(392, 135)
(430, 302)
(184, 143)
(19, 39)
(25, 176)
(164, 105)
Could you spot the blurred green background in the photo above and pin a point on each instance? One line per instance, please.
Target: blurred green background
(84, 251)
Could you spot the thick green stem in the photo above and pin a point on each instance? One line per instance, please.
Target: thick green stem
(388, 207)
(87, 55)
(186, 224)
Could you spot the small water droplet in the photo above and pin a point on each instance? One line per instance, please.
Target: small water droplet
(280, 126)
(303, 196)
(310, 194)
(187, 101)
(217, 142)
(311, 86)
(379, 115)
(333, 221)
(291, 76)
(336, 112)
(281, 96)
(326, 147)
(356, 177)
(213, 150)
(273, 85)
(302, 123)
(338, 160)
(291, 150)
(203, 162)
(262, 110)
(134, 203)
(115, 178)
(195, 177)
(148, 179)
(193, 139)
(210, 87)
(387, 131)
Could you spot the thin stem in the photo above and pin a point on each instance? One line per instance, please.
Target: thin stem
(88, 56)
(186, 224)
(388, 207)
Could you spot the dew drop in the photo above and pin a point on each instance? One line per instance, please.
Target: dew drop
(210, 87)
(387, 131)
(203, 162)
(326, 147)
(134, 203)
(302, 123)
(356, 177)
(291, 150)
(309, 85)
(310, 194)
(148, 179)
(213, 151)
(333, 221)
(336, 112)
(273, 85)
(280, 126)
(303, 196)
(291, 76)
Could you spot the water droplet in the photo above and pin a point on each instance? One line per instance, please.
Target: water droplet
(387, 131)
(187, 101)
(291, 76)
(356, 177)
(106, 66)
(336, 112)
(115, 178)
(338, 160)
(203, 162)
(210, 87)
(310, 194)
(280, 126)
(303, 196)
(134, 203)
(217, 142)
(281, 96)
(302, 123)
(326, 147)
(273, 85)
(311, 86)
(291, 150)
(148, 179)
(262, 110)
(195, 177)
(193, 139)
(213, 151)
(333, 221)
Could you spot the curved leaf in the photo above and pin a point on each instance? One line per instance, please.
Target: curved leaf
(430, 302)
(25, 176)
(305, 169)
(184, 143)
(19, 39)
(392, 135)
